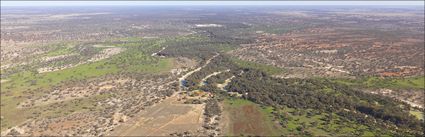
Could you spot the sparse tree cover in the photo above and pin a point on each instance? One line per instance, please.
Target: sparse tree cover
(212, 71)
(309, 94)
(212, 108)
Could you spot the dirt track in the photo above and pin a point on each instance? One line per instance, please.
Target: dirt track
(166, 117)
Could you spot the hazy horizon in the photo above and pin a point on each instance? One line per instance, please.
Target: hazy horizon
(208, 3)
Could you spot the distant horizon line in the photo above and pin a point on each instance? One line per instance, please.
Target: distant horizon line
(192, 5)
(208, 3)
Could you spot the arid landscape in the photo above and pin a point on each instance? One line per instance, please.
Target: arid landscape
(212, 71)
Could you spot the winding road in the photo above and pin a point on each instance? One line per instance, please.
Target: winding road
(166, 117)
(182, 79)
(210, 75)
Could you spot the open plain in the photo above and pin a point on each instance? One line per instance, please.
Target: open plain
(212, 71)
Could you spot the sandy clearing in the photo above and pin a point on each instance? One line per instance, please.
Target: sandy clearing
(45, 59)
(207, 25)
(167, 117)
(164, 118)
(3, 80)
(105, 53)
(103, 46)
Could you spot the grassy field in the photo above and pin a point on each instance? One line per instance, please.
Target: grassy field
(247, 118)
(60, 51)
(60, 48)
(392, 83)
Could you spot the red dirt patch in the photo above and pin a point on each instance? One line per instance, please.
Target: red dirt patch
(249, 122)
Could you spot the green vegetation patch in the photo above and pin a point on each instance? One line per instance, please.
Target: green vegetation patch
(61, 49)
(135, 59)
(14, 91)
(163, 65)
(417, 114)
(319, 95)
(392, 83)
(312, 122)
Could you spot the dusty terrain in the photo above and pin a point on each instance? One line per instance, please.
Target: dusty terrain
(162, 119)
(182, 71)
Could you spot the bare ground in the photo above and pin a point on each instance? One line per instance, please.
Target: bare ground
(162, 119)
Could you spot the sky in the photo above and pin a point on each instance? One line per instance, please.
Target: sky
(98, 3)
